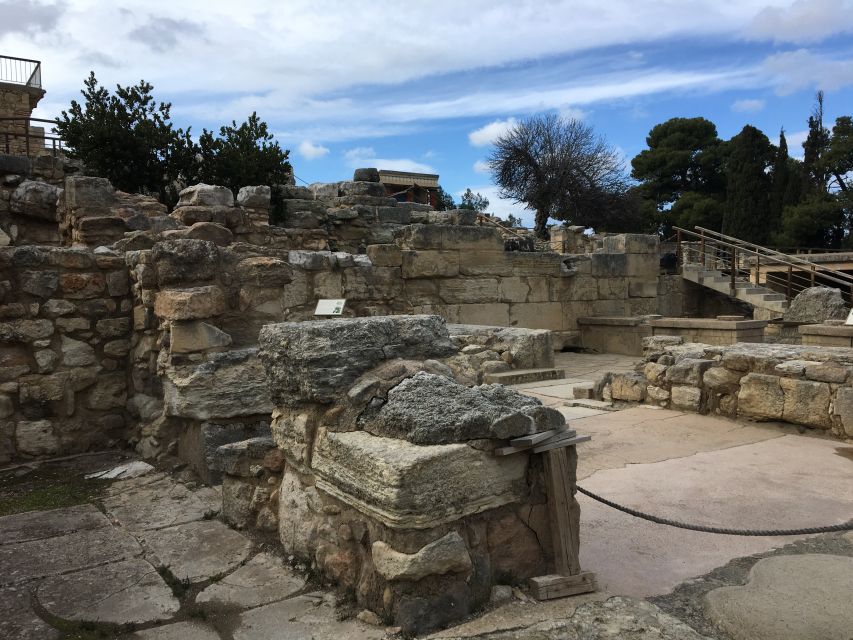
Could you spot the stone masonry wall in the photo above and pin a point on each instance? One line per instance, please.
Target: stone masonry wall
(809, 386)
(65, 324)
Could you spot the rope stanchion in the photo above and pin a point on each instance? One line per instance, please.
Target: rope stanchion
(848, 526)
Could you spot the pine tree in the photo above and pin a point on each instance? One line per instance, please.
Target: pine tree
(747, 214)
(815, 146)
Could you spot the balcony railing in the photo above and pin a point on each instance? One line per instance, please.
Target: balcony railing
(20, 71)
(29, 137)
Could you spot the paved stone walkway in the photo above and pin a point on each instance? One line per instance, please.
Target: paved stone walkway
(155, 564)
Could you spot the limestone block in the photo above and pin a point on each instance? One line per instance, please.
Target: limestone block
(7, 407)
(372, 283)
(369, 174)
(113, 327)
(298, 515)
(184, 261)
(39, 283)
(514, 547)
(207, 196)
(485, 263)
(467, 290)
(612, 288)
(448, 554)
(36, 438)
(525, 263)
(186, 337)
(190, 304)
(118, 283)
(82, 285)
(537, 315)
(76, 353)
(513, 289)
(386, 255)
(843, 408)
(256, 197)
(361, 188)
(827, 372)
(608, 265)
(409, 486)
(36, 200)
(640, 288)
(721, 379)
(317, 361)
(630, 387)
(631, 243)
(264, 271)
(494, 314)
(684, 397)
(42, 389)
(806, 402)
(227, 385)
(688, 371)
(109, 392)
(639, 265)
(432, 409)
(186, 216)
(580, 287)
(654, 372)
(450, 237)
(25, 330)
(430, 264)
(761, 396)
(815, 305)
(311, 260)
(88, 195)
(213, 232)
(657, 394)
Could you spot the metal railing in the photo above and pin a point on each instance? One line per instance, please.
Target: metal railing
(747, 263)
(18, 138)
(20, 71)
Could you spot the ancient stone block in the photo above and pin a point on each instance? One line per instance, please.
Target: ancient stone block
(827, 372)
(311, 260)
(761, 396)
(254, 197)
(657, 395)
(36, 438)
(430, 264)
(514, 550)
(35, 199)
(642, 288)
(190, 304)
(410, 486)
(184, 260)
(40, 389)
(843, 408)
(366, 175)
(684, 397)
(466, 290)
(316, 361)
(806, 402)
(227, 385)
(688, 371)
(386, 255)
(109, 392)
(815, 305)
(432, 409)
(39, 283)
(113, 327)
(264, 271)
(720, 379)
(630, 387)
(82, 285)
(89, 194)
(631, 243)
(186, 337)
(448, 554)
(494, 314)
(608, 265)
(654, 373)
(207, 196)
(118, 283)
(537, 315)
(25, 330)
(76, 353)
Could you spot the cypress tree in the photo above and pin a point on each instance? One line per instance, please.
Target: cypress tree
(747, 214)
(780, 178)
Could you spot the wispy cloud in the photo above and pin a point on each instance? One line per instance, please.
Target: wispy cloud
(162, 34)
(802, 21)
(791, 71)
(487, 134)
(311, 151)
(748, 105)
(481, 166)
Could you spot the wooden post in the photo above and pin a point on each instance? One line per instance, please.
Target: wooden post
(757, 268)
(679, 256)
(790, 272)
(702, 249)
(813, 274)
(732, 272)
(564, 511)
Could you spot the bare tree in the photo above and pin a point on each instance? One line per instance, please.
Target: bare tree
(561, 169)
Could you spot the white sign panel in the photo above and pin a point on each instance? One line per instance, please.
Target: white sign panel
(849, 317)
(329, 307)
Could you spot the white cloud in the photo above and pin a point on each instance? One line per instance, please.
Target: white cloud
(481, 166)
(311, 151)
(795, 142)
(748, 105)
(489, 133)
(791, 71)
(572, 113)
(802, 21)
(366, 157)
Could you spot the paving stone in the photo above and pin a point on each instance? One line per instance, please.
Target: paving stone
(262, 580)
(51, 556)
(36, 525)
(18, 621)
(804, 597)
(301, 617)
(177, 631)
(160, 504)
(197, 551)
(121, 592)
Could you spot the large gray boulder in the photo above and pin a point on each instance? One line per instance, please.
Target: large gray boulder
(815, 305)
(431, 409)
(368, 174)
(35, 199)
(319, 361)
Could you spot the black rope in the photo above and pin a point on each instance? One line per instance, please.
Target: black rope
(731, 532)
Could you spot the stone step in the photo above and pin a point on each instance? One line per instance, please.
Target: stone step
(590, 404)
(522, 376)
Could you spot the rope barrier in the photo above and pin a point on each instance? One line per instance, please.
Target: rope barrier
(848, 526)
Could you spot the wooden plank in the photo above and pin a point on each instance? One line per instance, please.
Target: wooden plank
(560, 436)
(534, 438)
(556, 586)
(563, 509)
(560, 443)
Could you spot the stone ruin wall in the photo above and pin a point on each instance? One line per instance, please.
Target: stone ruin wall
(207, 276)
(802, 385)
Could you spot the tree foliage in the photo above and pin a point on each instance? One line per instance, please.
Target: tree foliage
(747, 213)
(473, 201)
(129, 138)
(561, 169)
(444, 201)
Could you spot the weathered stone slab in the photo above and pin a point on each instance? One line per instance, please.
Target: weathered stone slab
(18, 621)
(317, 361)
(206, 195)
(197, 551)
(178, 631)
(153, 504)
(190, 304)
(445, 555)
(24, 561)
(120, 592)
(35, 525)
(262, 580)
(186, 337)
(411, 486)
(227, 385)
(432, 409)
(761, 396)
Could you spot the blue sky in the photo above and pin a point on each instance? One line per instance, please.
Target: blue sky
(427, 85)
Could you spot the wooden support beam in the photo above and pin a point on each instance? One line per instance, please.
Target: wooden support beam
(556, 586)
(563, 437)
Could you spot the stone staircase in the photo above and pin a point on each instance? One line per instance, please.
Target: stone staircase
(754, 294)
